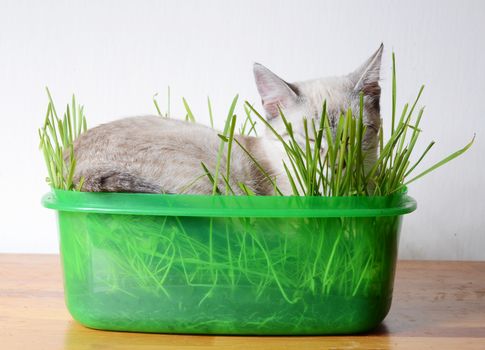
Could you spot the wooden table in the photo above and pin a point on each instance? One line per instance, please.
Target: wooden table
(437, 305)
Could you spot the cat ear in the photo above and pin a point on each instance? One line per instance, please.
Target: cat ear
(366, 77)
(273, 90)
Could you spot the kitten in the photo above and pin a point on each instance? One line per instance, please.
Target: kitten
(151, 154)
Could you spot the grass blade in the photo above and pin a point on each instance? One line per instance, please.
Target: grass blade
(442, 162)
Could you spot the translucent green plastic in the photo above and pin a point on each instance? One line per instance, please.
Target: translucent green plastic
(228, 265)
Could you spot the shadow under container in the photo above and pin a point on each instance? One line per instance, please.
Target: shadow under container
(228, 265)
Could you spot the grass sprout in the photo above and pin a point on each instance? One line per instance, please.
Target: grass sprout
(57, 136)
(341, 170)
(327, 163)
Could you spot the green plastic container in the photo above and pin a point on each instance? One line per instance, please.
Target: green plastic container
(228, 265)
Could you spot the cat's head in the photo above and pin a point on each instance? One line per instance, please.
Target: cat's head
(305, 99)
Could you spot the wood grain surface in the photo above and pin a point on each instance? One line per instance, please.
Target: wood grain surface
(437, 305)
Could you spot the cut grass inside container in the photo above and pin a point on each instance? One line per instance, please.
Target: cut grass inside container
(237, 273)
(261, 273)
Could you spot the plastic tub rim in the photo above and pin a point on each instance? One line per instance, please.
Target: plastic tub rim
(228, 206)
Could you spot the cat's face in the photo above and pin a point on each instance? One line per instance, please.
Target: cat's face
(305, 99)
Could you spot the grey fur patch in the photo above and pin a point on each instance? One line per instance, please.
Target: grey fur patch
(116, 180)
(294, 88)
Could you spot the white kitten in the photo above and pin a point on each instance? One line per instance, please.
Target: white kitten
(152, 154)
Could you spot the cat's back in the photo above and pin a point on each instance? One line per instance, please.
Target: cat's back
(145, 154)
(137, 135)
(142, 129)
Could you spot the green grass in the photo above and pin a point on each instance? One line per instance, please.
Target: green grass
(56, 143)
(228, 275)
(245, 275)
(340, 170)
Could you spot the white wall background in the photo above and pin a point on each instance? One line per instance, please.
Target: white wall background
(116, 54)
